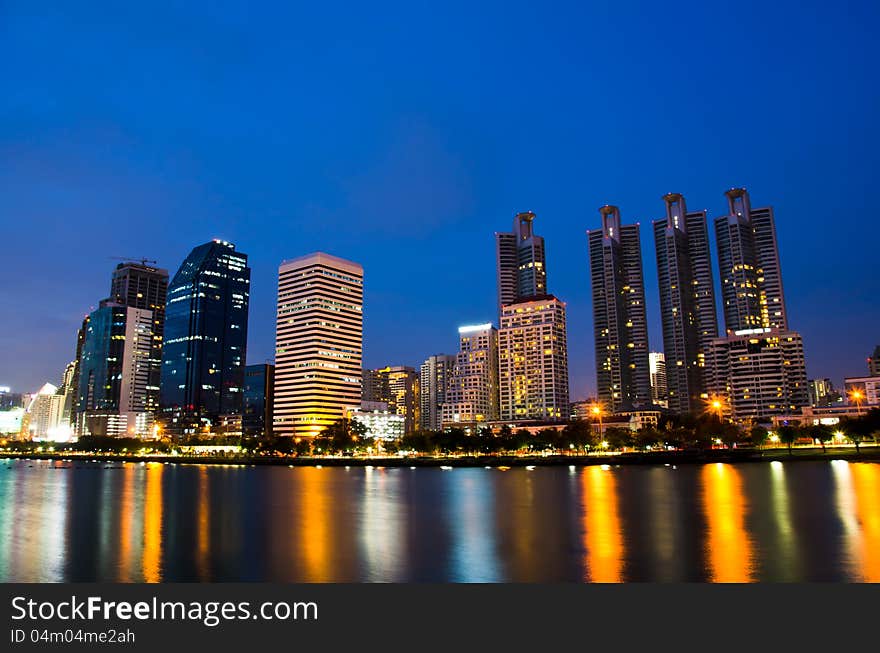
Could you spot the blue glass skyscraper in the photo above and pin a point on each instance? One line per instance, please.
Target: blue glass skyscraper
(203, 355)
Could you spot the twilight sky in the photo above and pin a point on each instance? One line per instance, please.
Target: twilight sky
(403, 135)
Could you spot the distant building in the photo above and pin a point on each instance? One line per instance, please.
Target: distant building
(9, 399)
(114, 373)
(862, 391)
(259, 386)
(472, 397)
(318, 343)
(657, 369)
(822, 392)
(687, 304)
(619, 321)
(205, 338)
(759, 373)
(583, 410)
(44, 414)
(434, 378)
(815, 415)
(398, 387)
(522, 271)
(874, 362)
(533, 360)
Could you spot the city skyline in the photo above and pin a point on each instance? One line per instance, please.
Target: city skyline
(414, 182)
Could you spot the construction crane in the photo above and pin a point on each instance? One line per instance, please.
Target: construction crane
(133, 259)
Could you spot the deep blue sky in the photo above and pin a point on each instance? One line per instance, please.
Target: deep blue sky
(403, 135)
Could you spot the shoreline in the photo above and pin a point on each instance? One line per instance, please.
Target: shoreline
(867, 454)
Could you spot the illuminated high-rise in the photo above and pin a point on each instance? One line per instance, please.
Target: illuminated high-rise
(748, 263)
(522, 271)
(142, 286)
(205, 340)
(687, 301)
(533, 360)
(472, 396)
(657, 370)
(318, 343)
(399, 388)
(619, 322)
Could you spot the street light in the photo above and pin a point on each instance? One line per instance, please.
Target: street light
(857, 395)
(596, 410)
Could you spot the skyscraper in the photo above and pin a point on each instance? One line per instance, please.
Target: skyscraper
(141, 286)
(205, 340)
(758, 367)
(522, 271)
(659, 387)
(114, 372)
(687, 301)
(748, 263)
(435, 375)
(619, 321)
(472, 396)
(318, 343)
(533, 360)
(259, 387)
(398, 388)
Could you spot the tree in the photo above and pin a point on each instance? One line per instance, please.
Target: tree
(759, 435)
(822, 433)
(618, 438)
(730, 434)
(578, 434)
(647, 438)
(788, 435)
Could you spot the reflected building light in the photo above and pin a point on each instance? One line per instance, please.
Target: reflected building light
(729, 549)
(603, 539)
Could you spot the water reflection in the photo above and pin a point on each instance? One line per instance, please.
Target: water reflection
(603, 540)
(728, 545)
(783, 521)
(151, 560)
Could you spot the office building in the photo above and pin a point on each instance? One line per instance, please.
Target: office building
(521, 268)
(318, 343)
(259, 387)
(205, 339)
(533, 360)
(379, 423)
(748, 263)
(687, 302)
(657, 371)
(472, 396)
(141, 286)
(44, 414)
(619, 321)
(114, 373)
(399, 388)
(434, 378)
(758, 373)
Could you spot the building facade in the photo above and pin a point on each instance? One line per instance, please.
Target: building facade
(619, 319)
(874, 362)
(205, 339)
(399, 388)
(379, 424)
(522, 270)
(318, 343)
(472, 396)
(44, 413)
(141, 286)
(657, 370)
(822, 393)
(687, 302)
(533, 360)
(256, 413)
(114, 373)
(862, 391)
(435, 375)
(759, 373)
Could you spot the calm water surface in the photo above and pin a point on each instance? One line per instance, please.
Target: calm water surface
(800, 521)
